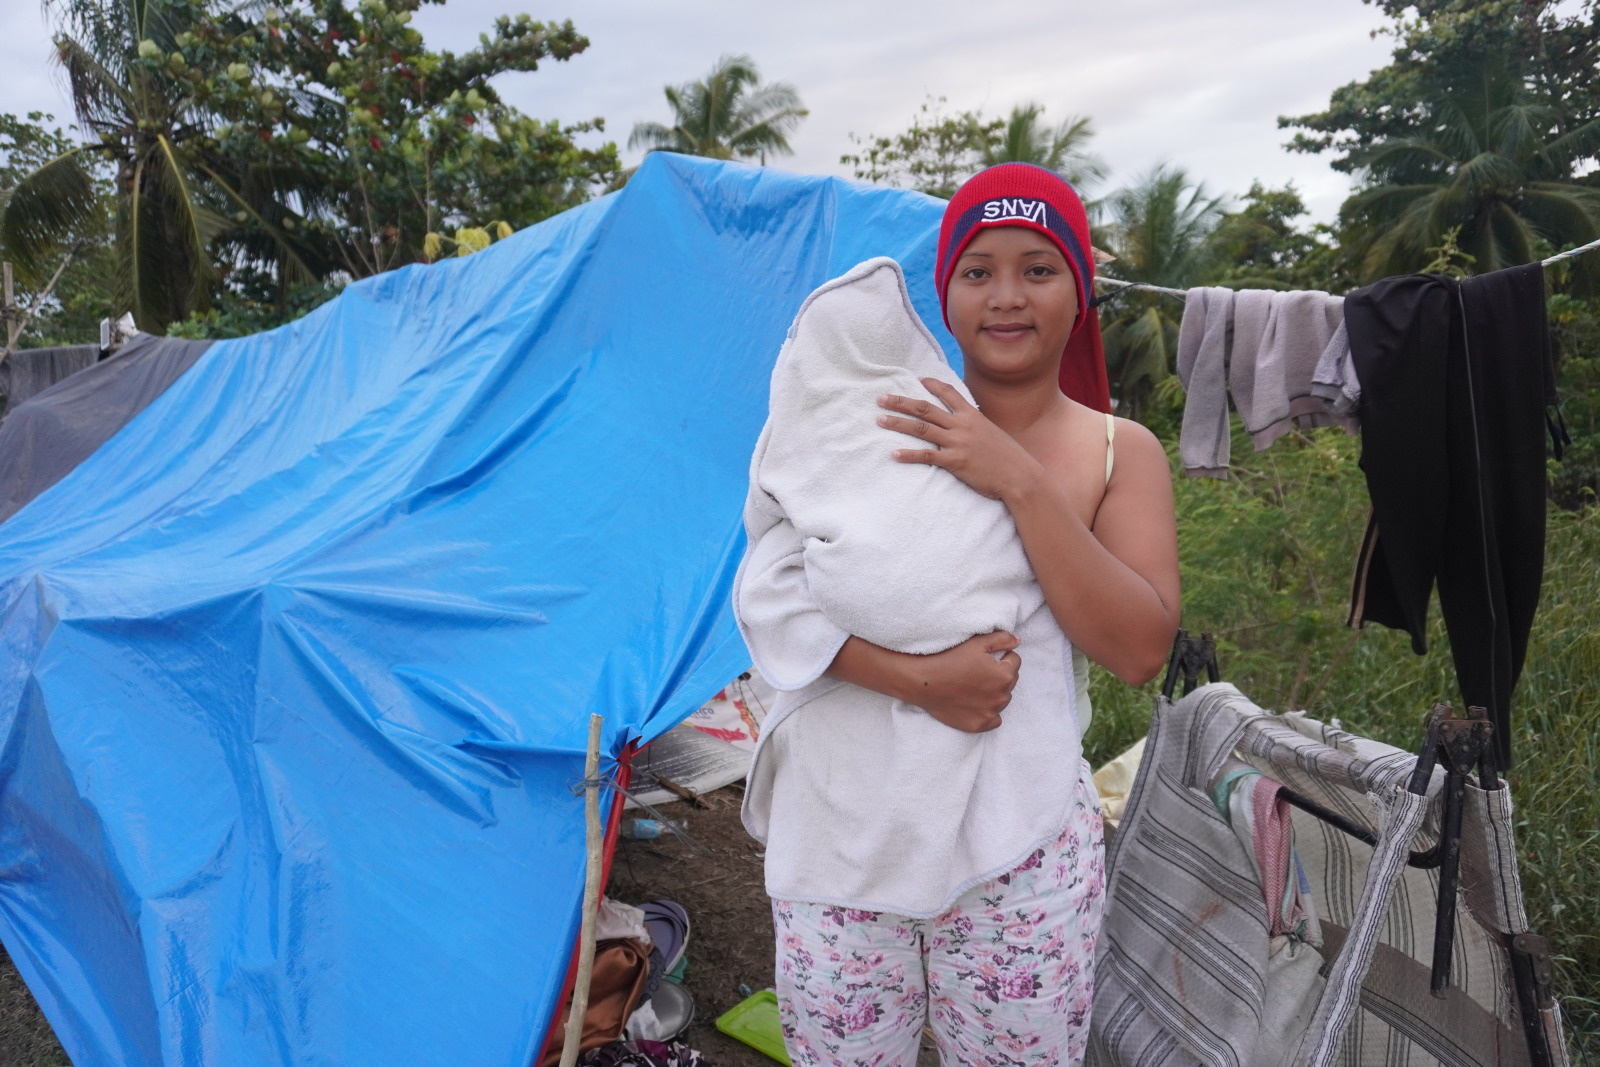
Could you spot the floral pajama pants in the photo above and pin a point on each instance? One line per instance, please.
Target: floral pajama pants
(1004, 977)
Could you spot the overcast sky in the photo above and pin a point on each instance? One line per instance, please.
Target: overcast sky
(1194, 84)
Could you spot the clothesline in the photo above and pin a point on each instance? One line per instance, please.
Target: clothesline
(1569, 253)
(1118, 283)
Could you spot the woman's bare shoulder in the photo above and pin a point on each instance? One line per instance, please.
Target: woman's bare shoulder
(1138, 448)
(1128, 429)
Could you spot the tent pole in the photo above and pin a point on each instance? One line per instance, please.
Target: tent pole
(591, 897)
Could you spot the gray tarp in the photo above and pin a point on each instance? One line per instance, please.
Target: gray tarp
(44, 438)
(28, 372)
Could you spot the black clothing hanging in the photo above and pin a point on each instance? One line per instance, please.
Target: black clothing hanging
(1456, 379)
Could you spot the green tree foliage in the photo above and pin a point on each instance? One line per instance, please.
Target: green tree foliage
(1487, 122)
(1489, 166)
(1443, 47)
(253, 301)
(1025, 138)
(26, 144)
(933, 155)
(939, 151)
(1575, 327)
(728, 115)
(1262, 245)
(139, 123)
(365, 140)
(1160, 232)
(70, 312)
(309, 140)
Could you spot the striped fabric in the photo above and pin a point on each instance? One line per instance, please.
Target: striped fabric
(1184, 973)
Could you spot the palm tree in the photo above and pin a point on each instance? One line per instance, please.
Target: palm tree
(1026, 139)
(1487, 164)
(172, 198)
(729, 115)
(1160, 231)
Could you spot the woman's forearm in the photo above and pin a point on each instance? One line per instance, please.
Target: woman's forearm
(966, 687)
(871, 666)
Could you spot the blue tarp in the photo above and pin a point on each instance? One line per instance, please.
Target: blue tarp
(296, 670)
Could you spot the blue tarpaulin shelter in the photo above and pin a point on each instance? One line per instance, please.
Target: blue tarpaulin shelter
(296, 669)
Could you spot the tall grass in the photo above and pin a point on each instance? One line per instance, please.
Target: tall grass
(1267, 561)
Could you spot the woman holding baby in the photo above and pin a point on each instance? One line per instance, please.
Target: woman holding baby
(934, 849)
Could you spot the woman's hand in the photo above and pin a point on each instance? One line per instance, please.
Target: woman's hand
(971, 447)
(965, 687)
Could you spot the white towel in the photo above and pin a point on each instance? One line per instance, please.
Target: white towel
(864, 801)
(903, 555)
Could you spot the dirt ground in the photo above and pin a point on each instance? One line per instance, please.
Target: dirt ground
(26, 1040)
(719, 884)
(730, 926)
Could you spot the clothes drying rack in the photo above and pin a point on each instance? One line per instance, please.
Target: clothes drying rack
(1461, 745)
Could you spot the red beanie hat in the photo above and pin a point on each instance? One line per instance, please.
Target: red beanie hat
(1021, 194)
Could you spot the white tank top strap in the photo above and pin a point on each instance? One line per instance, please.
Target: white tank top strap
(1111, 437)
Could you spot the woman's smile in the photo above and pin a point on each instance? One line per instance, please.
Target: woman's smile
(1008, 331)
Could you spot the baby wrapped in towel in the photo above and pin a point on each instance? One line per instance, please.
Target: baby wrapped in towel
(900, 554)
(848, 784)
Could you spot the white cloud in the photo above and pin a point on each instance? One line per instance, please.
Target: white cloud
(31, 82)
(1197, 85)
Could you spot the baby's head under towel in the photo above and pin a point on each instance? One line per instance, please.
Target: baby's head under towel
(902, 555)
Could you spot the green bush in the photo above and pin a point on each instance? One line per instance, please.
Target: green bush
(1267, 560)
(1575, 327)
(251, 305)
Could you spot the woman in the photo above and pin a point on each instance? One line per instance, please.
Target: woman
(956, 879)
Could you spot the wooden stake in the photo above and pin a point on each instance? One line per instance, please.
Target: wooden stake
(9, 311)
(591, 897)
(16, 323)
